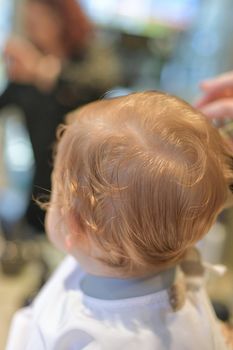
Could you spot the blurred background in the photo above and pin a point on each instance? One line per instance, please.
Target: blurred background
(170, 45)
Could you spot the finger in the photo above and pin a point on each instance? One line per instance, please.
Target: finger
(214, 96)
(14, 73)
(219, 110)
(12, 51)
(222, 81)
(204, 100)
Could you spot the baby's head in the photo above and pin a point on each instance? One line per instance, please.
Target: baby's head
(137, 181)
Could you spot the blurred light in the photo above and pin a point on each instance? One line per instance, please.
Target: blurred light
(140, 17)
(19, 154)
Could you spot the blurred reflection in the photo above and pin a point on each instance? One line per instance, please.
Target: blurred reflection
(58, 66)
(5, 27)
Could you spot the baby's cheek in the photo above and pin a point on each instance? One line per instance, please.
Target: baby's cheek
(55, 228)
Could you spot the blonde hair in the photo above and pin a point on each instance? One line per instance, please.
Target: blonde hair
(143, 175)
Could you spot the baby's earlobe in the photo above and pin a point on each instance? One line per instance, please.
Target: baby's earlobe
(68, 242)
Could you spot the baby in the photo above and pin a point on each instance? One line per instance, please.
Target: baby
(137, 181)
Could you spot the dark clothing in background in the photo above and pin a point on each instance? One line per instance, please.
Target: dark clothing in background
(80, 82)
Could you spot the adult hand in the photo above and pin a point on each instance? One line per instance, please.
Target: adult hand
(22, 59)
(27, 65)
(217, 102)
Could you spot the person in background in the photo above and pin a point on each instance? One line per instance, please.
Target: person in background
(128, 205)
(58, 66)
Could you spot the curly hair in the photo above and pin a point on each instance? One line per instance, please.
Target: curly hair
(144, 176)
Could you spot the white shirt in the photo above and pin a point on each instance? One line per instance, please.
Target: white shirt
(62, 317)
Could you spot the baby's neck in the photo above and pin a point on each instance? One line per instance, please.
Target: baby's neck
(94, 266)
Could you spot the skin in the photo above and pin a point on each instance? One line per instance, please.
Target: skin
(75, 243)
(43, 28)
(36, 60)
(66, 236)
(217, 100)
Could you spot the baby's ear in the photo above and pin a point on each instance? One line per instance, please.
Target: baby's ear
(75, 234)
(72, 239)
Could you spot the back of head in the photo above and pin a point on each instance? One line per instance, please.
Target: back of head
(144, 176)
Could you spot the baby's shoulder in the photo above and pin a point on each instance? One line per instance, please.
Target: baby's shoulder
(65, 278)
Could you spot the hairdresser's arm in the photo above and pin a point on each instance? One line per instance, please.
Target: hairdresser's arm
(217, 101)
(27, 65)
